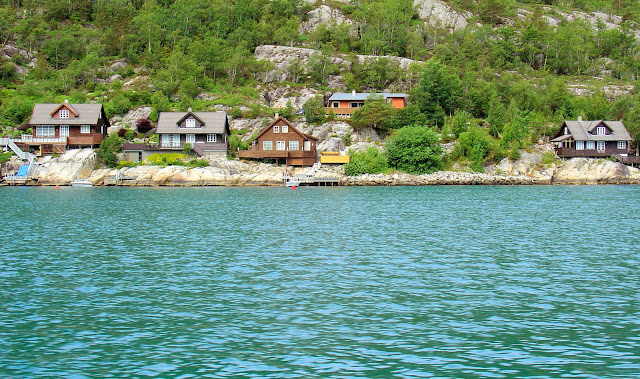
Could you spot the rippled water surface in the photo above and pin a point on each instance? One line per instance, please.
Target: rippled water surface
(320, 282)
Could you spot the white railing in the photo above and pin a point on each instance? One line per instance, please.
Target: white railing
(24, 155)
(29, 138)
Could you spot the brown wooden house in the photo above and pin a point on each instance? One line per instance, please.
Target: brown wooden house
(57, 127)
(281, 141)
(592, 139)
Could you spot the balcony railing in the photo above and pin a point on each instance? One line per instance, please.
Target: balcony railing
(573, 153)
(29, 139)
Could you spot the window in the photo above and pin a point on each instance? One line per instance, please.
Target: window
(212, 138)
(267, 145)
(64, 130)
(335, 104)
(171, 140)
(64, 113)
(600, 130)
(601, 146)
(356, 105)
(622, 145)
(191, 138)
(190, 123)
(591, 145)
(294, 145)
(280, 145)
(45, 131)
(85, 129)
(276, 129)
(579, 145)
(566, 130)
(285, 128)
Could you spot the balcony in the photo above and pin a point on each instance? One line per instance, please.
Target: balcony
(340, 112)
(268, 154)
(31, 140)
(567, 152)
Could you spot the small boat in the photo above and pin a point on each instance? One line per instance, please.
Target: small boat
(292, 183)
(81, 183)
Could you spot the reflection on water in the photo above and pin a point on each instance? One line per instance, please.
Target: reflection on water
(328, 282)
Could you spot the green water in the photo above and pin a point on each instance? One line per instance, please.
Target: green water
(403, 282)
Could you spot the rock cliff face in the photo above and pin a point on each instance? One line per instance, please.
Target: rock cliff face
(222, 172)
(439, 14)
(74, 164)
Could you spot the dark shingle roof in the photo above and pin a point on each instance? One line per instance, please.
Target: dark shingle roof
(88, 114)
(213, 123)
(580, 131)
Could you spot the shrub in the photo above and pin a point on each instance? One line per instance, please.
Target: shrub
(144, 125)
(415, 149)
(108, 149)
(549, 157)
(122, 164)
(187, 148)
(477, 145)
(164, 158)
(129, 134)
(5, 156)
(370, 161)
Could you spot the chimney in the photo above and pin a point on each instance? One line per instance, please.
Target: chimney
(353, 93)
(66, 101)
(277, 115)
(189, 109)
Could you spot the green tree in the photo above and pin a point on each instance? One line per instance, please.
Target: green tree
(314, 110)
(370, 161)
(438, 93)
(109, 147)
(375, 113)
(476, 145)
(415, 149)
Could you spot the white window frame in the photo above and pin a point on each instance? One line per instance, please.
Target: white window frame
(63, 113)
(591, 145)
(622, 145)
(64, 130)
(294, 145)
(267, 145)
(190, 138)
(601, 130)
(212, 138)
(357, 104)
(335, 104)
(579, 145)
(190, 123)
(45, 131)
(85, 129)
(276, 128)
(601, 146)
(170, 140)
(285, 128)
(281, 145)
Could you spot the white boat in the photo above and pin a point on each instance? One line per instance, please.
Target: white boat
(81, 183)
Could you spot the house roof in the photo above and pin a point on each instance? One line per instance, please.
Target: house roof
(212, 123)
(581, 131)
(362, 95)
(280, 118)
(87, 114)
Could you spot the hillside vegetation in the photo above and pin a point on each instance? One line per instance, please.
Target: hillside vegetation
(509, 76)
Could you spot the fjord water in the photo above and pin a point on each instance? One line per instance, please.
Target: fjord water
(320, 282)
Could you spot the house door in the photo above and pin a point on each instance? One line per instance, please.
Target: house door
(601, 146)
(64, 130)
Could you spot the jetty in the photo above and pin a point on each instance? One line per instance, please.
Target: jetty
(26, 171)
(310, 178)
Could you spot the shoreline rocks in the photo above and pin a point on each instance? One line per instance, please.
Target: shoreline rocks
(80, 164)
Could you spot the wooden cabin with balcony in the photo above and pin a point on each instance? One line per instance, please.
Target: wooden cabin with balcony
(281, 141)
(58, 127)
(206, 132)
(593, 139)
(343, 105)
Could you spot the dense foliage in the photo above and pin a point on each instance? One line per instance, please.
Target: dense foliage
(510, 72)
(370, 161)
(415, 149)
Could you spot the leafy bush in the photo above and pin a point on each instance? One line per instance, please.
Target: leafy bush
(5, 156)
(163, 159)
(477, 145)
(122, 164)
(370, 161)
(374, 113)
(187, 148)
(144, 125)
(108, 149)
(415, 149)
